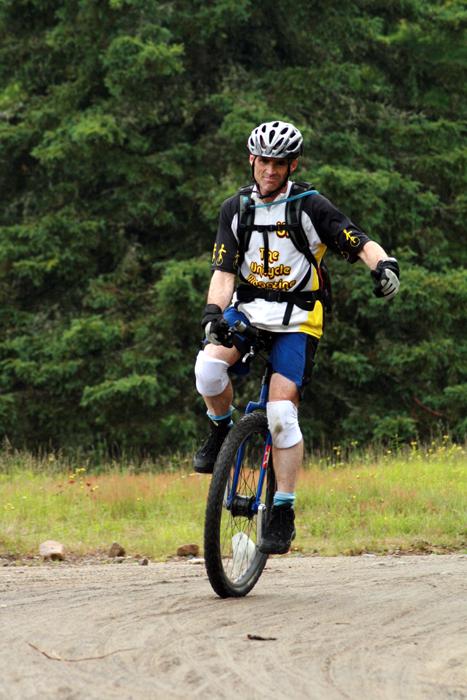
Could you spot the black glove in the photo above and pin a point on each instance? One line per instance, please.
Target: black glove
(386, 278)
(216, 328)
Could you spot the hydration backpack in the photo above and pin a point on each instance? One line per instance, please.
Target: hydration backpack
(246, 225)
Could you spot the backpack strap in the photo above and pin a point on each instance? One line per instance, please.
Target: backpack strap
(304, 300)
(246, 219)
(293, 217)
(246, 225)
(299, 239)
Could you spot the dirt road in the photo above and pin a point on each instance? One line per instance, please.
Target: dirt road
(332, 628)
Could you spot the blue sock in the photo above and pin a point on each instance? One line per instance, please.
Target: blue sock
(282, 497)
(226, 419)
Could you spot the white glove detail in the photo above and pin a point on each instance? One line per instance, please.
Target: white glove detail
(389, 284)
(386, 278)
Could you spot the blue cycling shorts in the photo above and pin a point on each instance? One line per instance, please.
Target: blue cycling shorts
(292, 354)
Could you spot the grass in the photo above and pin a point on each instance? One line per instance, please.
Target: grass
(413, 500)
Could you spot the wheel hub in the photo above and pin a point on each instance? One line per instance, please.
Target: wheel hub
(243, 506)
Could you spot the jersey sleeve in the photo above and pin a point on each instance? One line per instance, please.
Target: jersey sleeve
(335, 229)
(225, 250)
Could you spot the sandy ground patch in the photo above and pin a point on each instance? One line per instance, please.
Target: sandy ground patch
(362, 628)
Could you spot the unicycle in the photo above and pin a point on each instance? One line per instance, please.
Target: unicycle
(241, 493)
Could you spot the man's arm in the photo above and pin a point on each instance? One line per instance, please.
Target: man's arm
(372, 253)
(221, 288)
(219, 296)
(338, 232)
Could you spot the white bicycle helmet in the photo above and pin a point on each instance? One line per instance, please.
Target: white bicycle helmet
(276, 140)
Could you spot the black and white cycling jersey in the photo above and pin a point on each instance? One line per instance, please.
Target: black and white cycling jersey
(325, 227)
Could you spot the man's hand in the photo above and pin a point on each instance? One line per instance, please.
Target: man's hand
(386, 278)
(216, 328)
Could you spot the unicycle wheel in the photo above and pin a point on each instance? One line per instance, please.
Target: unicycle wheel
(234, 521)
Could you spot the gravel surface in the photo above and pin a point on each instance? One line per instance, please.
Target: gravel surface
(365, 627)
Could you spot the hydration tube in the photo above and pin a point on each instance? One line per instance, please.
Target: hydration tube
(283, 201)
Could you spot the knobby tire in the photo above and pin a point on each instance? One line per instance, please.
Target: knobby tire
(221, 525)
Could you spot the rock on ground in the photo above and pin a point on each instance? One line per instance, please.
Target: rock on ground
(186, 550)
(50, 549)
(116, 550)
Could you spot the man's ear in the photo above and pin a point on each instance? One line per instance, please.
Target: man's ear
(293, 165)
(252, 159)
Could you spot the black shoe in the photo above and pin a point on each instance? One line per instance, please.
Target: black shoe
(206, 456)
(280, 530)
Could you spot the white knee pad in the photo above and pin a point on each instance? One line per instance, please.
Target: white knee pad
(211, 375)
(283, 423)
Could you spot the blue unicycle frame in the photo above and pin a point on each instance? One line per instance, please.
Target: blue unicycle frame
(253, 406)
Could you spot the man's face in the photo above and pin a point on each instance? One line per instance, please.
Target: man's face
(269, 173)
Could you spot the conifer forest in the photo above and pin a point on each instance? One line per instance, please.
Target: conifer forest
(123, 127)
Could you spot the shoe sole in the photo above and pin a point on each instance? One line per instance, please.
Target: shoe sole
(204, 470)
(272, 550)
(265, 549)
